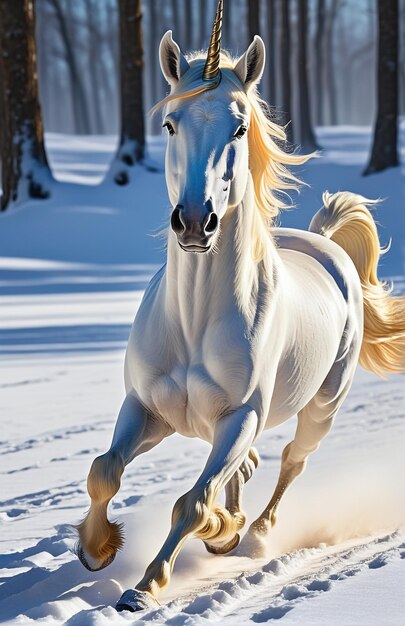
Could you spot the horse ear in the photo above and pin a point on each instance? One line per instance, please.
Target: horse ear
(172, 61)
(249, 68)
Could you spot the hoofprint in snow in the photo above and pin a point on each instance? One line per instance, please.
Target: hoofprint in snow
(336, 555)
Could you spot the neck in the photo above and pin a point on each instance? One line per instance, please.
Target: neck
(199, 285)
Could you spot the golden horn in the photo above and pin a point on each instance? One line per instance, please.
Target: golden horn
(211, 69)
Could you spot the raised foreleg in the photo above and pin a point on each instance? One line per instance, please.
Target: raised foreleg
(135, 432)
(195, 513)
(233, 502)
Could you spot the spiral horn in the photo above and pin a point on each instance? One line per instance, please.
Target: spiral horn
(211, 69)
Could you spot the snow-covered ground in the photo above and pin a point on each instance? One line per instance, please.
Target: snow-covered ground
(72, 273)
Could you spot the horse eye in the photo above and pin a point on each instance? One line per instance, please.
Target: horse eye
(169, 127)
(240, 132)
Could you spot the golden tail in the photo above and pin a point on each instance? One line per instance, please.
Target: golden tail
(345, 219)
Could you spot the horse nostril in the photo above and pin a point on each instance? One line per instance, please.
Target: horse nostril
(176, 221)
(211, 223)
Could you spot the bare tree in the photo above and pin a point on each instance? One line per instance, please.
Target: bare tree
(307, 136)
(285, 67)
(402, 59)
(352, 60)
(202, 23)
(25, 170)
(78, 56)
(108, 68)
(132, 140)
(188, 25)
(176, 26)
(98, 59)
(154, 74)
(319, 56)
(227, 24)
(271, 62)
(384, 152)
(330, 62)
(93, 60)
(254, 18)
(77, 89)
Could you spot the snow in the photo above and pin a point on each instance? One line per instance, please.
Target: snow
(72, 273)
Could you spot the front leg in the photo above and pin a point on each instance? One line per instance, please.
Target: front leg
(135, 432)
(233, 503)
(195, 512)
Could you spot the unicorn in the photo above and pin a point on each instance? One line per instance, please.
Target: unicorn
(246, 325)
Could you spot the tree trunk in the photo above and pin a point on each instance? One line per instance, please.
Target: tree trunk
(177, 26)
(227, 25)
(319, 56)
(285, 68)
(97, 125)
(25, 170)
(384, 152)
(401, 105)
(307, 136)
(107, 69)
(271, 62)
(330, 64)
(132, 141)
(254, 18)
(201, 20)
(188, 26)
(154, 72)
(79, 101)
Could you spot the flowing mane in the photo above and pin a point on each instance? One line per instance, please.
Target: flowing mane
(268, 161)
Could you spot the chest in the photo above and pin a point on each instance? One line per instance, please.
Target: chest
(189, 383)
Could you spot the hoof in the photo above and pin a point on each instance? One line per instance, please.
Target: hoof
(92, 564)
(254, 544)
(134, 600)
(224, 548)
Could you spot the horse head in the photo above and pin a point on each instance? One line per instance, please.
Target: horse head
(207, 157)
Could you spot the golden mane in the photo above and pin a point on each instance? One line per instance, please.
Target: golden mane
(268, 162)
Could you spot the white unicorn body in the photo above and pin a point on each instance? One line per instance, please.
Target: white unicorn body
(195, 354)
(244, 327)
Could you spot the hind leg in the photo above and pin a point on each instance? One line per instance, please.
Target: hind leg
(135, 432)
(314, 422)
(233, 502)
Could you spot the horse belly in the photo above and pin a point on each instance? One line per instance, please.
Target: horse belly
(292, 393)
(317, 329)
